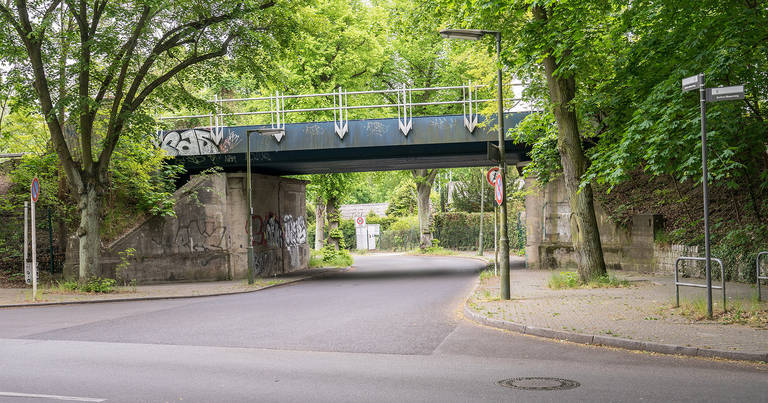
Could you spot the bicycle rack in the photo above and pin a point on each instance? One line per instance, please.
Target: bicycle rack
(714, 287)
(757, 269)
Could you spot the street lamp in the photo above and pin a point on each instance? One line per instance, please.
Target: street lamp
(476, 35)
(249, 191)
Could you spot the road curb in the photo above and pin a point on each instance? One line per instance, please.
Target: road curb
(598, 340)
(152, 298)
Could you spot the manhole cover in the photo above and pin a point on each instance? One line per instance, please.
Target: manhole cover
(539, 383)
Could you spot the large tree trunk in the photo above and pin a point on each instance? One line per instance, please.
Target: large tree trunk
(333, 223)
(89, 231)
(424, 181)
(584, 232)
(319, 224)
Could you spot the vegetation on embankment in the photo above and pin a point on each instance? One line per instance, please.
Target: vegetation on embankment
(738, 209)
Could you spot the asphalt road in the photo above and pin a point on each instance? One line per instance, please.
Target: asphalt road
(390, 330)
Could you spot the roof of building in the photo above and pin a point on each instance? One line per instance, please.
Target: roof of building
(350, 211)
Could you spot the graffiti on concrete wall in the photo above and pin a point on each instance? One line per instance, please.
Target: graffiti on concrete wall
(294, 230)
(289, 233)
(197, 236)
(266, 263)
(267, 230)
(197, 142)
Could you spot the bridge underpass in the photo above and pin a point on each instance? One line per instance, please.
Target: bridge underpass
(206, 239)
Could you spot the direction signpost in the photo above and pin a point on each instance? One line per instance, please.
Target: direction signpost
(708, 95)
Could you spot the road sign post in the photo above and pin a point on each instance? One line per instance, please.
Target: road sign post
(708, 95)
(27, 270)
(34, 193)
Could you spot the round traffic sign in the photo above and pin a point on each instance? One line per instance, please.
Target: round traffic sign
(34, 189)
(360, 220)
(492, 174)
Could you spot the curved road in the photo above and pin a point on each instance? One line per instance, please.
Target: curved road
(389, 330)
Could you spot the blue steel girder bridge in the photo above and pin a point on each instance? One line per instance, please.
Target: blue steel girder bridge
(344, 145)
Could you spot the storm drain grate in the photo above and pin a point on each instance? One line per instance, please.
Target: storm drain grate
(539, 383)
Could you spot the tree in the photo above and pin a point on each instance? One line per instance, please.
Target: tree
(424, 178)
(331, 189)
(94, 67)
(559, 42)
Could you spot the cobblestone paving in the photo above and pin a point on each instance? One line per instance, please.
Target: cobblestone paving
(641, 312)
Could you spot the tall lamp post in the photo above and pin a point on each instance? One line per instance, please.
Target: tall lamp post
(250, 207)
(476, 35)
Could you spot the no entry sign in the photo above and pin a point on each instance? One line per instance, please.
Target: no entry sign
(359, 221)
(34, 190)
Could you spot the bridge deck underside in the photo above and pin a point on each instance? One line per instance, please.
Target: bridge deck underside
(369, 145)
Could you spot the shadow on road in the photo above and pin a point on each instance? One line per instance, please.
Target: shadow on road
(399, 273)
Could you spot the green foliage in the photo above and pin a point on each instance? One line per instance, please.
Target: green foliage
(564, 279)
(122, 267)
(434, 250)
(570, 279)
(461, 230)
(402, 201)
(468, 183)
(315, 258)
(347, 228)
(91, 285)
(402, 234)
(738, 250)
(539, 131)
(399, 239)
(651, 123)
(335, 258)
(405, 223)
(385, 222)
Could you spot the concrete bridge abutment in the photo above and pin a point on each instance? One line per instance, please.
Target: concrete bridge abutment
(207, 239)
(548, 233)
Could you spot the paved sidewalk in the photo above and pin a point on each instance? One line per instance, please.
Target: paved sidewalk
(639, 317)
(15, 297)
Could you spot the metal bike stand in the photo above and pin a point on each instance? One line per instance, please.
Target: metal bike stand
(757, 272)
(714, 287)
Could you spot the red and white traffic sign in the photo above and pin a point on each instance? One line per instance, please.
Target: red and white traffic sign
(34, 190)
(359, 221)
(491, 175)
(499, 191)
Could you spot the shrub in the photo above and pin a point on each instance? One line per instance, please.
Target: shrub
(93, 284)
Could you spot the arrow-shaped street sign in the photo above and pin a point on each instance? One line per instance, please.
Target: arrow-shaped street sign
(725, 93)
(693, 83)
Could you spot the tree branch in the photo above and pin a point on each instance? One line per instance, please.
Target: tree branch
(125, 55)
(130, 106)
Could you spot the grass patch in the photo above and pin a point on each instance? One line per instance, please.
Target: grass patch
(749, 313)
(433, 251)
(258, 283)
(92, 285)
(570, 279)
(327, 257)
(487, 273)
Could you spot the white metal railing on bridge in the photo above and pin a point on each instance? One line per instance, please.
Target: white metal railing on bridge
(404, 105)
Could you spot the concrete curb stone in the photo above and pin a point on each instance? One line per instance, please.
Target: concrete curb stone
(598, 340)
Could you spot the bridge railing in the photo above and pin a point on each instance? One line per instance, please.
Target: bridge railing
(399, 99)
